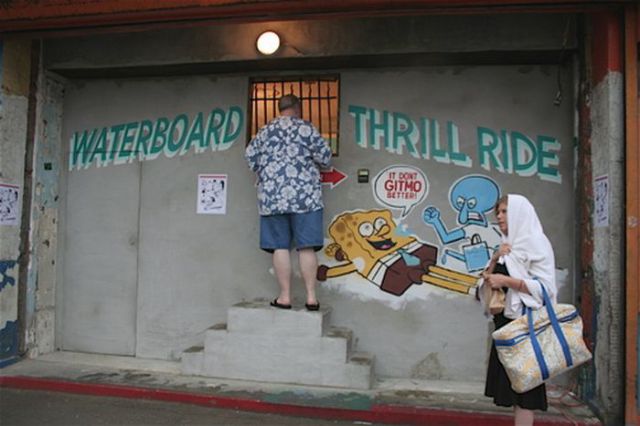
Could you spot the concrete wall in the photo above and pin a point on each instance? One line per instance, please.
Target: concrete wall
(43, 270)
(15, 60)
(601, 194)
(144, 275)
(607, 146)
(136, 224)
(137, 252)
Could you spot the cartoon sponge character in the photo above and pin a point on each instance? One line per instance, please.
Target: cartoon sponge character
(368, 244)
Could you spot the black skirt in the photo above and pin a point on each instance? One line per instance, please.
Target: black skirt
(498, 385)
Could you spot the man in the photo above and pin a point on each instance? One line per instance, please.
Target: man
(286, 155)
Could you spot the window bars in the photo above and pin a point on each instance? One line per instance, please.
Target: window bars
(319, 97)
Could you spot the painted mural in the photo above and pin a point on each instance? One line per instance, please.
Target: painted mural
(370, 244)
(146, 140)
(383, 250)
(374, 245)
(451, 243)
(472, 199)
(400, 187)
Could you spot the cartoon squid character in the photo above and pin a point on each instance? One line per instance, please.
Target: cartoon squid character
(472, 197)
(367, 243)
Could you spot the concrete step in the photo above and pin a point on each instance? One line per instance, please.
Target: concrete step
(266, 344)
(333, 347)
(257, 317)
(337, 332)
(362, 358)
(356, 374)
(192, 361)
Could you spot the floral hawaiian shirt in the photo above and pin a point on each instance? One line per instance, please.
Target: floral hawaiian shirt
(286, 155)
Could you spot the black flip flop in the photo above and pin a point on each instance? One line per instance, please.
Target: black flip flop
(275, 304)
(313, 307)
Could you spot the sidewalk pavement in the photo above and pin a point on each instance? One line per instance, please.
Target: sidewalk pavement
(393, 401)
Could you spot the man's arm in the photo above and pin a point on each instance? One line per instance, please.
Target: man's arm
(321, 149)
(251, 154)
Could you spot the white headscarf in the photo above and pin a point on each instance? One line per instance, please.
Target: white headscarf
(531, 258)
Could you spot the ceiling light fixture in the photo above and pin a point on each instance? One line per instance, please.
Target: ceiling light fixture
(268, 43)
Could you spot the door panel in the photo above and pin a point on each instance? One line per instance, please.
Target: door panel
(100, 268)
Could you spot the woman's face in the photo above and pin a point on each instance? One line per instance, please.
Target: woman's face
(501, 214)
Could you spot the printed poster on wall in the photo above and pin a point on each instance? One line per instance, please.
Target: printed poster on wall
(212, 194)
(9, 206)
(601, 195)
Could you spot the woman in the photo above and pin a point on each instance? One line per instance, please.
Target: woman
(525, 253)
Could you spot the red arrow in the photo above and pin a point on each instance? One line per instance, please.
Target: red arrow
(333, 177)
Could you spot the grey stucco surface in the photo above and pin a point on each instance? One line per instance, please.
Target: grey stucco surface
(145, 275)
(193, 267)
(45, 213)
(178, 270)
(13, 118)
(100, 241)
(608, 243)
(13, 111)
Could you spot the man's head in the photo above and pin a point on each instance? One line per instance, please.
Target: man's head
(289, 105)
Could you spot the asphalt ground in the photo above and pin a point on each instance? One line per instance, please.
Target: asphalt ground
(39, 408)
(130, 391)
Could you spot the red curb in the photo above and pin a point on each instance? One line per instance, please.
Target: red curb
(390, 414)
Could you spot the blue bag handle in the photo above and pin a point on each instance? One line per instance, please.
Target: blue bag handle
(559, 335)
(536, 347)
(556, 327)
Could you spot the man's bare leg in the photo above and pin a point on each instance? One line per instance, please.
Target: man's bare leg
(309, 268)
(282, 267)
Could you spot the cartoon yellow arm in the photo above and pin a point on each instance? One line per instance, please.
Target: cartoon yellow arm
(446, 284)
(470, 280)
(325, 271)
(450, 279)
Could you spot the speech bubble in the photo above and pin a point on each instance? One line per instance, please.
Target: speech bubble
(400, 187)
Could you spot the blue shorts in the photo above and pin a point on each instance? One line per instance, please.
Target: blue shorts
(281, 230)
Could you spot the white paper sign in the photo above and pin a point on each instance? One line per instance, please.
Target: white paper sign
(9, 205)
(212, 194)
(601, 195)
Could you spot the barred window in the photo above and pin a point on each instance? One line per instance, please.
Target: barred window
(319, 97)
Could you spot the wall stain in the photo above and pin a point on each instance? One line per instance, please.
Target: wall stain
(429, 368)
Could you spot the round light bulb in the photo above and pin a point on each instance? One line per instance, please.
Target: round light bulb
(268, 43)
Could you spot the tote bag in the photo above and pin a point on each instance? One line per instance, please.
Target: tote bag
(541, 344)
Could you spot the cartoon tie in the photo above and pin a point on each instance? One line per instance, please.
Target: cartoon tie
(408, 258)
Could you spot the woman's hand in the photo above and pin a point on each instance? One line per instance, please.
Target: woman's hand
(499, 280)
(503, 250)
(496, 280)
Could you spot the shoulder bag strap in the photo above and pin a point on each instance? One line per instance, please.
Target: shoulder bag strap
(536, 346)
(556, 327)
